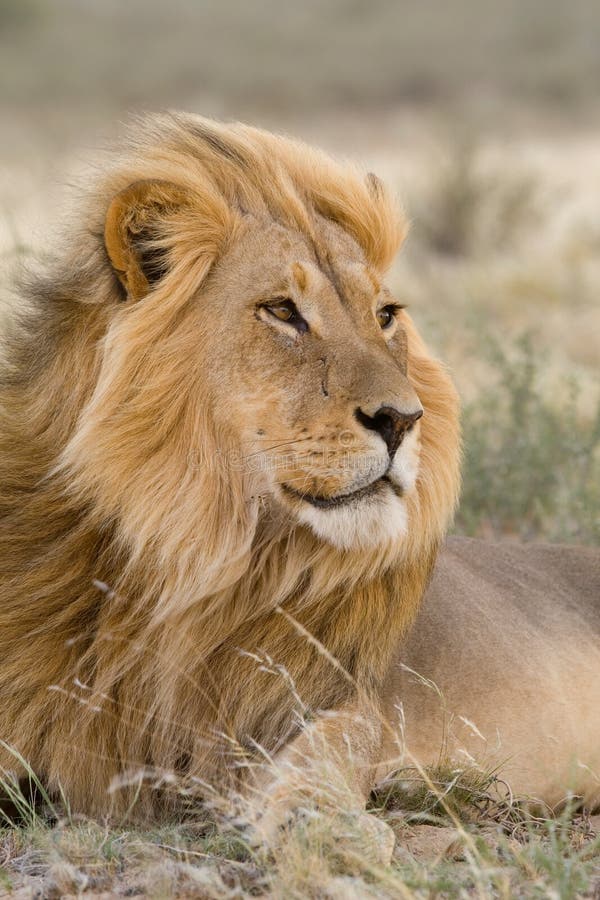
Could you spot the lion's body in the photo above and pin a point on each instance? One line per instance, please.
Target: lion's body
(156, 596)
(166, 604)
(510, 635)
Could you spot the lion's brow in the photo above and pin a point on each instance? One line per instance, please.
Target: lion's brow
(330, 272)
(299, 273)
(374, 279)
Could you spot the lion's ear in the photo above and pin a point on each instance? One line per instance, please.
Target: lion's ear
(134, 233)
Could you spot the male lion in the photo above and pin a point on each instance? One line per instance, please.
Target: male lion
(227, 462)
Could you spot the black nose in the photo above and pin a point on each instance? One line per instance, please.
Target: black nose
(390, 423)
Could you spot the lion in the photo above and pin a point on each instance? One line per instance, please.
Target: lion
(227, 465)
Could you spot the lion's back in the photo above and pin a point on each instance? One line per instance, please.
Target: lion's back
(540, 580)
(509, 634)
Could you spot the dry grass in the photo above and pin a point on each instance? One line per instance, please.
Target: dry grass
(459, 833)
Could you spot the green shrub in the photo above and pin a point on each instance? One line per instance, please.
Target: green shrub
(532, 461)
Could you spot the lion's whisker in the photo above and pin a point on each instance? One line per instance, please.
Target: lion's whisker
(276, 447)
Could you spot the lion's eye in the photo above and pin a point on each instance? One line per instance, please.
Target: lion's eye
(283, 311)
(386, 316)
(287, 311)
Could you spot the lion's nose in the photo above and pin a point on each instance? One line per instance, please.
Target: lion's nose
(390, 424)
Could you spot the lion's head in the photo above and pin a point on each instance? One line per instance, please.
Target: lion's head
(254, 343)
(216, 407)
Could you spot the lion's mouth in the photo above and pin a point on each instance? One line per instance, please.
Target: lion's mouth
(320, 502)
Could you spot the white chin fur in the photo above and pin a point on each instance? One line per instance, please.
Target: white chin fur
(366, 523)
(375, 520)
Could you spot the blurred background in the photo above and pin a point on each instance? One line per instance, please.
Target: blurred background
(483, 116)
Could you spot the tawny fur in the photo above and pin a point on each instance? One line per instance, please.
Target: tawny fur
(113, 413)
(502, 669)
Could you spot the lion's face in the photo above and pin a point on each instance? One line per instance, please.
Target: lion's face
(252, 334)
(308, 364)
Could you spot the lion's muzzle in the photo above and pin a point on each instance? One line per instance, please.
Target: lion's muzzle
(390, 423)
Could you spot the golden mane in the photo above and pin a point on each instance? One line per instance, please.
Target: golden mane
(137, 585)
